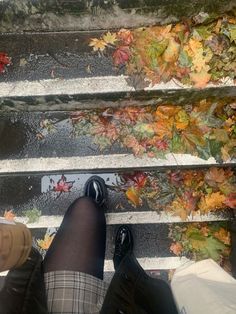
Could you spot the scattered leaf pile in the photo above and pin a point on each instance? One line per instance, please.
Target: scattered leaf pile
(192, 53)
(201, 241)
(4, 61)
(183, 193)
(204, 129)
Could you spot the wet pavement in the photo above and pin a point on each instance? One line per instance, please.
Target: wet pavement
(23, 136)
(53, 194)
(150, 240)
(54, 55)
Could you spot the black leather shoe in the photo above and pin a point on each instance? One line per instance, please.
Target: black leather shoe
(123, 244)
(96, 189)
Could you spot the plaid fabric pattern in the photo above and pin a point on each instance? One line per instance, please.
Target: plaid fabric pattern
(70, 292)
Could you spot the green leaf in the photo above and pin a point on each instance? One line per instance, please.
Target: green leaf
(33, 215)
(232, 31)
(213, 249)
(215, 149)
(176, 143)
(144, 130)
(184, 59)
(202, 32)
(156, 49)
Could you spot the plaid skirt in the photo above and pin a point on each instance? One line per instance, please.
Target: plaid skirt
(70, 292)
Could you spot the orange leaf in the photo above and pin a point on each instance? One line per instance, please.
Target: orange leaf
(212, 202)
(133, 196)
(97, 44)
(9, 215)
(200, 79)
(214, 176)
(126, 36)
(176, 248)
(223, 235)
(45, 243)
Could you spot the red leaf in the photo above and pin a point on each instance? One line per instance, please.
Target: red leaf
(4, 60)
(231, 200)
(138, 178)
(121, 55)
(62, 185)
(126, 36)
(176, 178)
(161, 145)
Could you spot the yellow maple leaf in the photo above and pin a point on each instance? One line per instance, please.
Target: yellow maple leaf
(200, 79)
(171, 53)
(192, 47)
(45, 243)
(110, 38)
(9, 215)
(223, 235)
(201, 59)
(97, 44)
(212, 202)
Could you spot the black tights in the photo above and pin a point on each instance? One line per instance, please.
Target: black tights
(80, 242)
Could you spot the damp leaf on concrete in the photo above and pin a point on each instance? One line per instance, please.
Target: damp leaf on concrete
(32, 215)
(9, 215)
(5, 61)
(190, 53)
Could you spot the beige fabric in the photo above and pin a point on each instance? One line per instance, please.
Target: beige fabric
(15, 245)
(70, 292)
(204, 287)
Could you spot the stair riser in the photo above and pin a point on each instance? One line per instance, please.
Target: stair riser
(60, 15)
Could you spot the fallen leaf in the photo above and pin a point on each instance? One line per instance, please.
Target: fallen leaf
(133, 196)
(9, 215)
(200, 79)
(126, 36)
(176, 248)
(121, 55)
(212, 202)
(171, 53)
(230, 200)
(5, 60)
(97, 44)
(223, 235)
(45, 243)
(110, 38)
(215, 176)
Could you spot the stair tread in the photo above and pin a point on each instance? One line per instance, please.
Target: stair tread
(41, 192)
(99, 139)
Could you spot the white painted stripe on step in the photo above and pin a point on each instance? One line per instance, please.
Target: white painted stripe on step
(87, 85)
(130, 217)
(154, 263)
(148, 263)
(97, 163)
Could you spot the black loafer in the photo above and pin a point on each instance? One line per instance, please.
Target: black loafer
(96, 189)
(123, 244)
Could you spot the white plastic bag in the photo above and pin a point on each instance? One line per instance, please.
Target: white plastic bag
(204, 288)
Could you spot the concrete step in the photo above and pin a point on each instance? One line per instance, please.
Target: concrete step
(38, 142)
(60, 71)
(40, 193)
(58, 15)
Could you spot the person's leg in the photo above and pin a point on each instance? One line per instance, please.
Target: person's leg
(79, 244)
